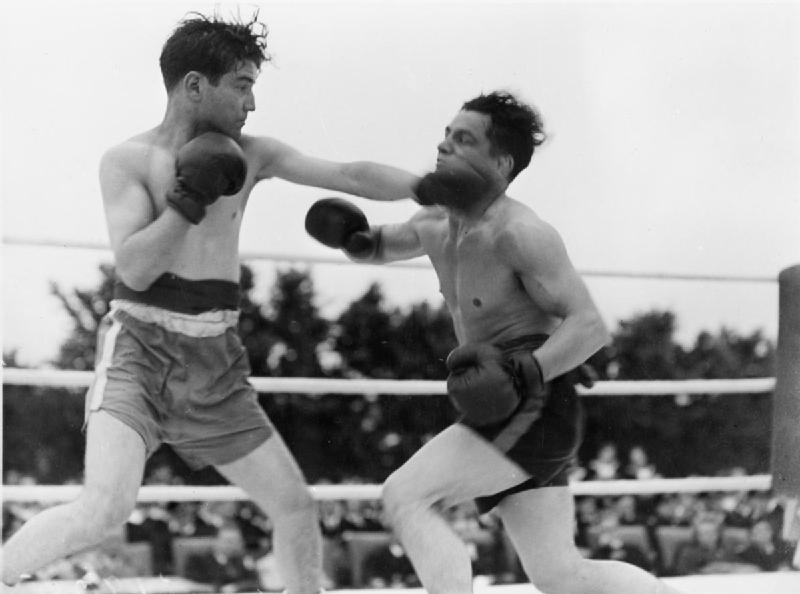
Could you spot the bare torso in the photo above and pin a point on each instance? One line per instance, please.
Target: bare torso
(208, 250)
(483, 291)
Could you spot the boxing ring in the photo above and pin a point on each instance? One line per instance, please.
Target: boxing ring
(784, 481)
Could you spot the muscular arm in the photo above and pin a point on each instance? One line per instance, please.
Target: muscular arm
(361, 178)
(145, 245)
(538, 255)
(401, 241)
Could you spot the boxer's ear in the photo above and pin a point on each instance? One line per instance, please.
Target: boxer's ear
(505, 163)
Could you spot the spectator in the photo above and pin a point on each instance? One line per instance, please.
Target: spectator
(186, 520)
(610, 546)
(225, 566)
(606, 465)
(628, 511)
(705, 551)
(151, 524)
(764, 551)
(639, 466)
(389, 567)
(587, 515)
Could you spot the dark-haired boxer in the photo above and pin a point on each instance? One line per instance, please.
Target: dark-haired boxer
(170, 366)
(525, 324)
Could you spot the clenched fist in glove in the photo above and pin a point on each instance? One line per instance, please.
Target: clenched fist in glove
(207, 167)
(487, 386)
(337, 223)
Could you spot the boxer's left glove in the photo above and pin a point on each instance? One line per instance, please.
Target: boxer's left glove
(207, 167)
(487, 386)
(337, 223)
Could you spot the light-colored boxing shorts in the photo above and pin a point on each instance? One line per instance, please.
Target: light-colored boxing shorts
(178, 379)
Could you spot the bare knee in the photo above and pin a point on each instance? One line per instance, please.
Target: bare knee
(100, 510)
(400, 498)
(557, 573)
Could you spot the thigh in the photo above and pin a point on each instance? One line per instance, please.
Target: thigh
(115, 459)
(457, 465)
(541, 525)
(269, 474)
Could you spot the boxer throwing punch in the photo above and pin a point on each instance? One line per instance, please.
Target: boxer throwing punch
(524, 321)
(170, 367)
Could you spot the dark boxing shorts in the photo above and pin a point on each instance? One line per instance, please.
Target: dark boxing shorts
(545, 447)
(180, 379)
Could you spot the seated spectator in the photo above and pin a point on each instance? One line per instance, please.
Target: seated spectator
(629, 512)
(151, 524)
(606, 465)
(587, 515)
(389, 567)
(764, 551)
(705, 552)
(610, 546)
(638, 466)
(363, 516)
(256, 527)
(186, 520)
(225, 566)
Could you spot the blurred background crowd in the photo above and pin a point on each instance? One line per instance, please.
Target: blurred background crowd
(361, 438)
(228, 545)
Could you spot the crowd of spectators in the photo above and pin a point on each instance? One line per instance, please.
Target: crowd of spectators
(667, 534)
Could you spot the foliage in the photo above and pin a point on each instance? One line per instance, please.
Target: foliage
(338, 437)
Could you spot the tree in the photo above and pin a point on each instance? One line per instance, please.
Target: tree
(41, 431)
(86, 308)
(702, 434)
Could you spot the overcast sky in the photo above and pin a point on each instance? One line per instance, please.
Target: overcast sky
(674, 137)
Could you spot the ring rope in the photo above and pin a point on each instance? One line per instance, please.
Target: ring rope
(63, 378)
(159, 493)
(414, 264)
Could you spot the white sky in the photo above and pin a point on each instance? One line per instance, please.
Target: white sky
(674, 144)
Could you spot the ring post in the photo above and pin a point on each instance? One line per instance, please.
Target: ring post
(786, 402)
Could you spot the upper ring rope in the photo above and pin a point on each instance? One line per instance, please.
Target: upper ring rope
(415, 264)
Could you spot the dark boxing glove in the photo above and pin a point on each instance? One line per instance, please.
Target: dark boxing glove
(486, 386)
(450, 188)
(207, 167)
(339, 224)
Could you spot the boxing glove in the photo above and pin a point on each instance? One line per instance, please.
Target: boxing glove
(486, 386)
(450, 188)
(337, 223)
(207, 167)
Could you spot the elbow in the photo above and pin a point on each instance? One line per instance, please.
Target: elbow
(138, 280)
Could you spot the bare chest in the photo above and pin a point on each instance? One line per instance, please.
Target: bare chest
(474, 281)
(223, 217)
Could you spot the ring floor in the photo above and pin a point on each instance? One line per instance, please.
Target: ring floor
(759, 583)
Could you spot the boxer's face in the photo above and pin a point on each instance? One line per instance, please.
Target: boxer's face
(465, 144)
(226, 105)
(466, 148)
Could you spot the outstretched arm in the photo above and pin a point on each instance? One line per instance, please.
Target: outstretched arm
(537, 253)
(339, 224)
(361, 178)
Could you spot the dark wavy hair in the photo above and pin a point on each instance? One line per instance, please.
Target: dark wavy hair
(212, 47)
(516, 128)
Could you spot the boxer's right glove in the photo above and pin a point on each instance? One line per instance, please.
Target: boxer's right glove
(486, 386)
(207, 167)
(337, 223)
